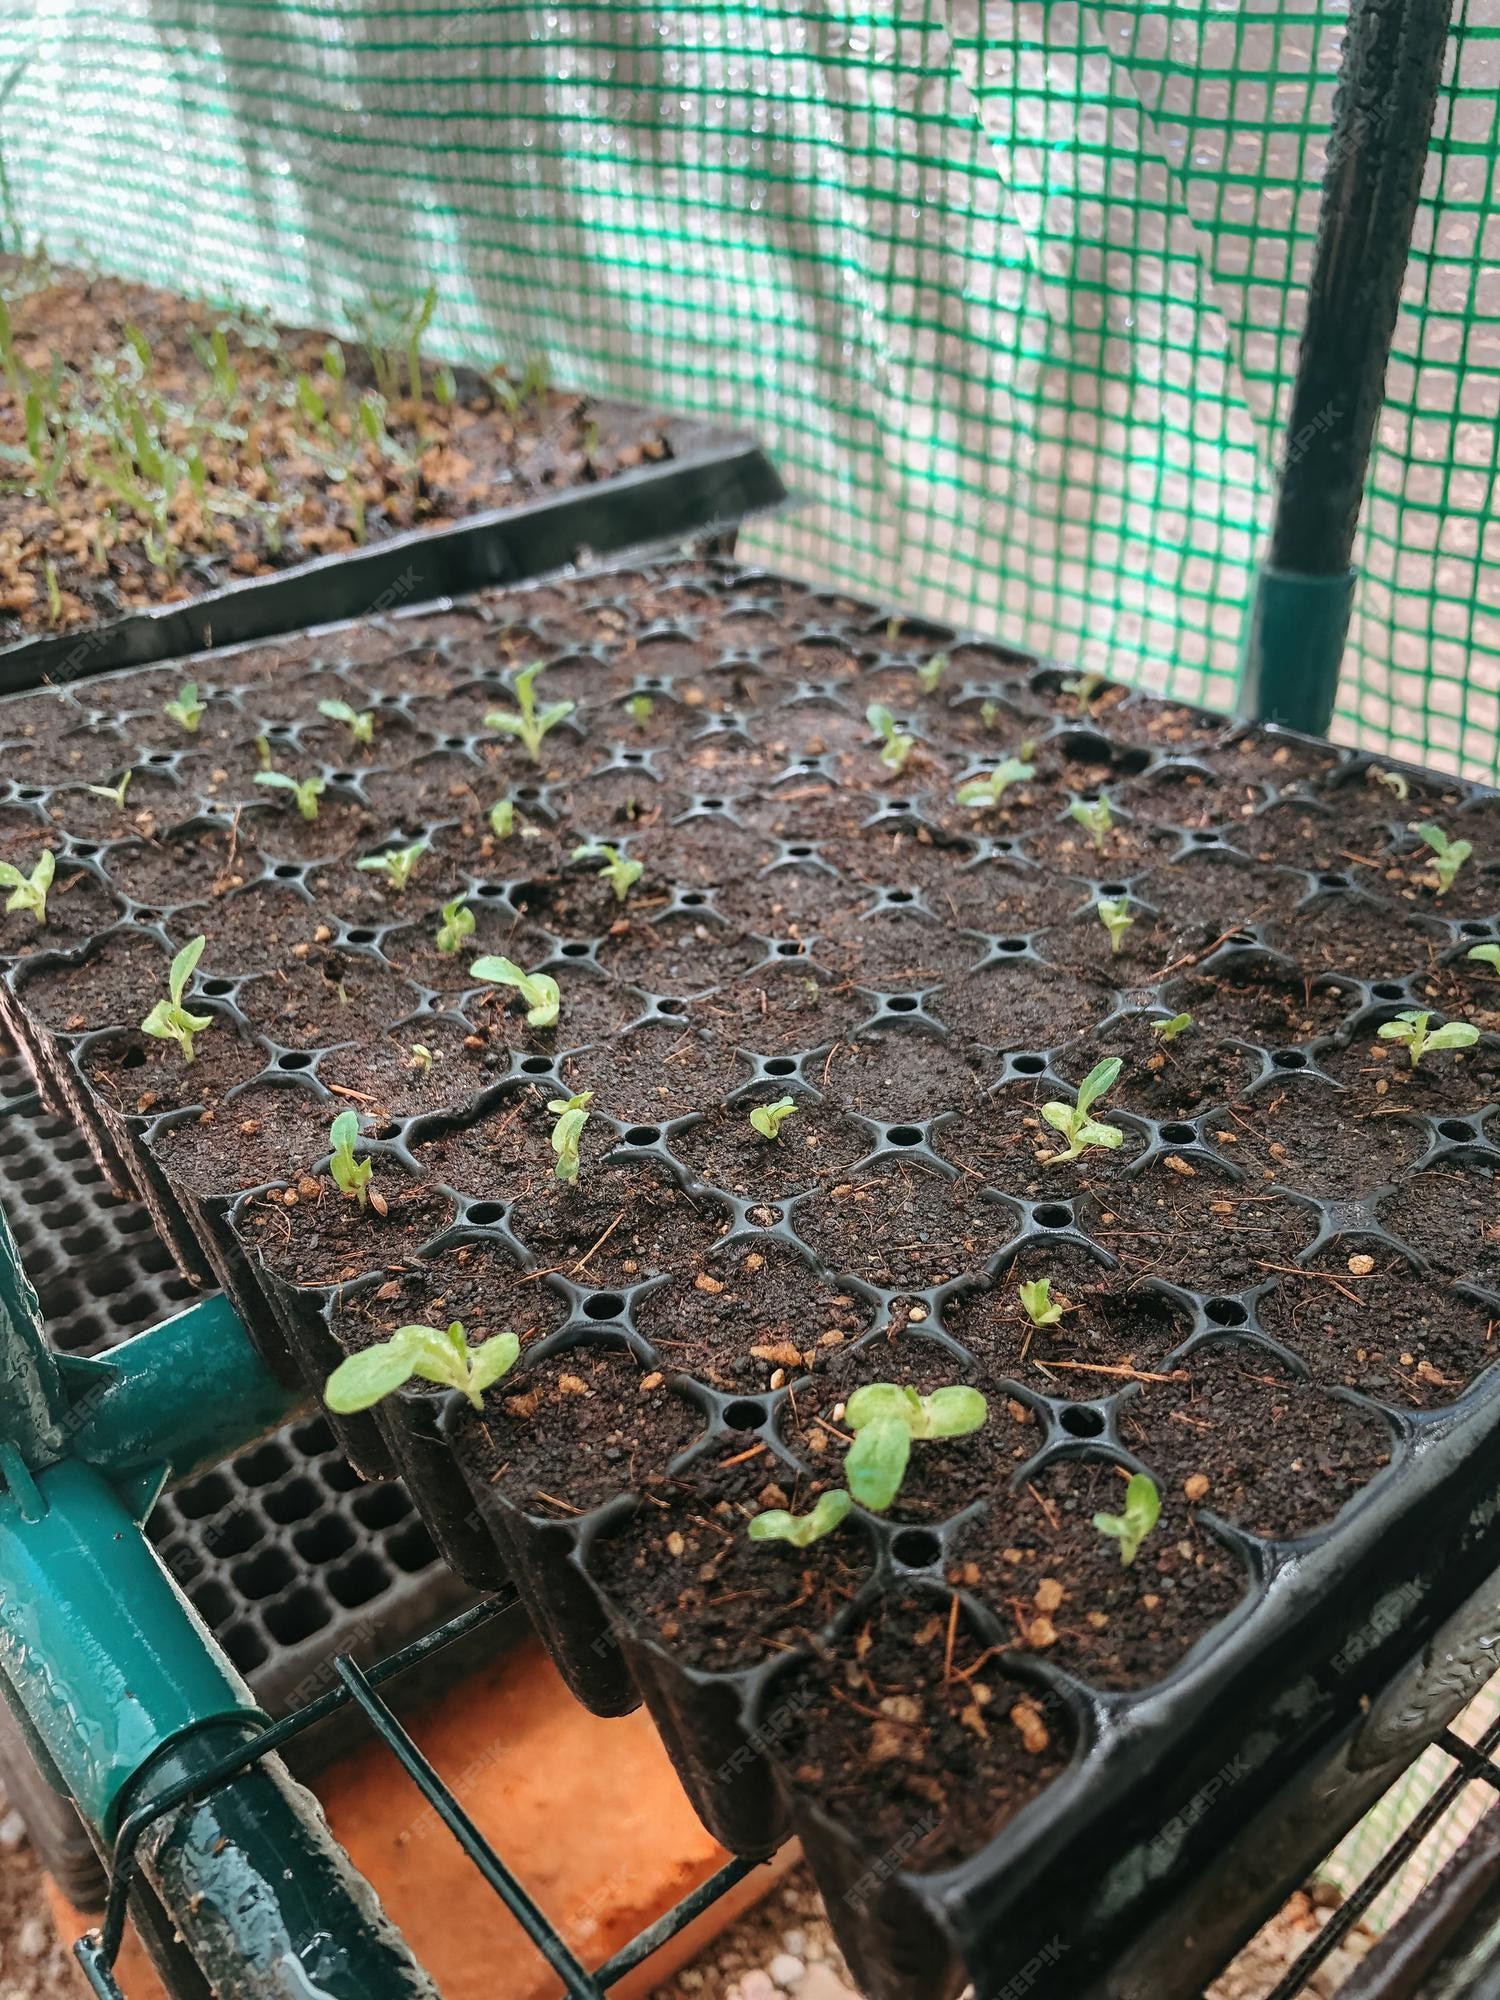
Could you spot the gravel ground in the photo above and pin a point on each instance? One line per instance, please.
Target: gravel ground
(33, 1964)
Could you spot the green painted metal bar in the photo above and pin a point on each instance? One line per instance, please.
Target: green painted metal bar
(1382, 123)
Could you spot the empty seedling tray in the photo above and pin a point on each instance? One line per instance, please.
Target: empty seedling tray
(916, 886)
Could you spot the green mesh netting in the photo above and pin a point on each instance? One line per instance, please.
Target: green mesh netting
(1012, 291)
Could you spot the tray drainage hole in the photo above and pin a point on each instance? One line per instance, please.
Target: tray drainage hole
(1029, 1065)
(1474, 930)
(454, 742)
(694, 899)
(85, 850)
(1205, 837)
(536, 1066)
(603, 1305)
(295, 1059)
(917, 1548)
(1454, 1128)
(899, 896)
(800, 852)
(671, 1006)
(904, 1135)
(1053, 1215)
(528, 794)
(1387, 989)
(485, 1214)
(745, 1415)
(633, 757)
(1289, 1059)
(155, 757)
(789, 948)
(575, 951)
(642, 1135)
(1002, 844)
(1226, 1312)
(1332, 879)
(360, 936)
(490, 889)
(287, 871)
(781, 1066)
(1012, 944)
(1080, 1420)
(342, 778)
(902, 1003)
(1113, 889)
(216, 989)
(712, 805)
(1179, 1135)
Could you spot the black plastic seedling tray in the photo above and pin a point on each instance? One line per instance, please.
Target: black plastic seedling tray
(712, 479)
(921, 977)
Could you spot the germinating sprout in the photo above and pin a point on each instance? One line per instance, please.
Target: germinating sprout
(1168, 1031)
(396, 864)
(886, 1418)
(436, 1354)
(1141, 1514)
(1487, 954)
(1095, 817)
(802, 1530)
(571, 1114)
(420, 1057)
(29, 892)
(991, 788)
(1083, 686)
(1411, 1031)
(351, 1176)
(538, 989)
(1037, 1303)
(502, 819)
(1114, 914)
(768, 1119)
(639, 708)
(115, 793)
(989, 713)
(896, 746)
(621, 875)
(169, 1020)
(1392, 780)
(931, 672)
(263, 755)
(1073, 1120)
(1448, 856)
(54, 592)
(305, 791)
(457, 925)
(185, 709)
(360, 722)
(528, 724)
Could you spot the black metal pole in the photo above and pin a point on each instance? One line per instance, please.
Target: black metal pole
(1382, 123)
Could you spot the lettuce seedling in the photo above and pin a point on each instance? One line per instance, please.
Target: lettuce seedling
(29, 892)
(349, 1175)
(989, 713)
(1073, 1120)
(538, 989)
(529, 724)
(1142, 1512)
(1486, 954)
(1082, 686)
(436, 1354)
(169, 1020)
(1448, 856)
(931, 672)
(802, 1530)
(885, 1419)
(305, 791)
(185, 709)
(1411, 1031)
(621, 875)
(1393, 782)
(572, 1114)
(502, 819)
(1168, 1031)
(896, 746)
(420, 1057)
(639, 708)
(360, 722)
(768, 1119)
(986, 793)
(114, 793)
(1096, 819)
(396, 864)
(1036, 1301)
(1114, 914)
(457, 925)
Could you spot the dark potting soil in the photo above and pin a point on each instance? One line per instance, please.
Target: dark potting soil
(312, 1234)
(1109, 1333)
(479, 1284)
(269, 1132)
(749, 1317)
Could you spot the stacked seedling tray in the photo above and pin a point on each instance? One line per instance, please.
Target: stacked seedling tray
(873, 856)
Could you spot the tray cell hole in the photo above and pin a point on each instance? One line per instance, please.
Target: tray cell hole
(366, 1576)
(260, 1467)
(1177, 1134)
(297, 1617)
(745, 1414)
(265, 1574)
(642, 1135)
(324, 1540)
(1053, 1215)
(245, 1647)
(381, 1507)
(917, 1548)
(485, 1214)
(1081, 1420)
(603, 1305)
(201, 1497)
(213, 1603)
(293, 1501)
(339, 1476)
(313, 1437)
(412, 1549)
(235, 1535)
(1226, 1312)
(904, 1135)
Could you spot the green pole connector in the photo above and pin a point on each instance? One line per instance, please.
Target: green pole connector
(1298, 625)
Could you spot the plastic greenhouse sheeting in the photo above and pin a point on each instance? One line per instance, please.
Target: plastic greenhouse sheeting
(1012, 291)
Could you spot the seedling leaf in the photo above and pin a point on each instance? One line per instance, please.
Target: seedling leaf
(768, 1119)
(1410, 1029)
(1141, 1513)
(572, 1114)
(1036, 1301)
(540, 992)
(802, 1530)
(620, 874)
(169, 1020)
(29, 892)
(351, 1176)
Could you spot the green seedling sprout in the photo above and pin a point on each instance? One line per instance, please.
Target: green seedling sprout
(539, 991)
(360, 722)
(436, 1354)
(114, 793)
(987, 792)
(1083, 686)
(989, 713)
(396, 864)
(620, 874)
(1168, 1031)
(502, 819)
(349, 1175)
(421, 1057)
(29, 892)
(802, 1530)
(896, 745)
(1411, 1031)
(639, 709)
(1073, 1120)
(768, 1119)
(1486, 954)
(886, 1419)
(1393, 782)
(169, 1020)
(529, 724)
(1096, 819)
(185, 709)
(1448, 856)
(54, 592)
(571, 1114)
(1036, 1301)
(931, 672)
(305, 791)
(1114, 914)
(263, 755)
(1142, 1512)
(456, 927)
